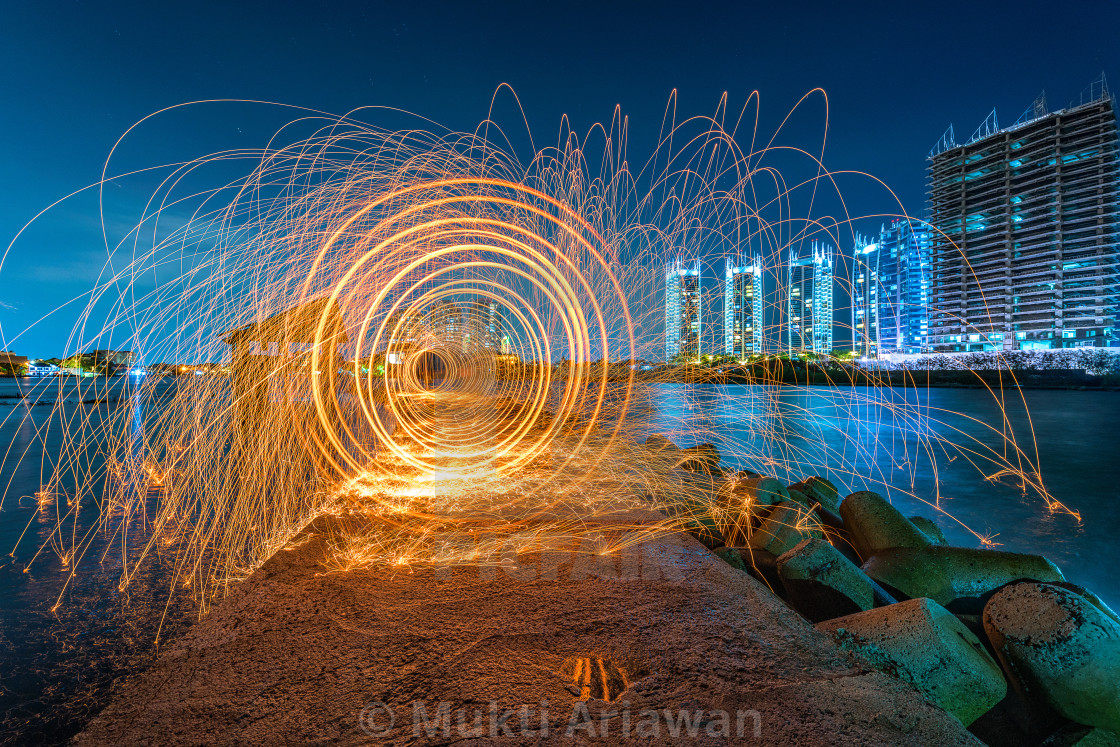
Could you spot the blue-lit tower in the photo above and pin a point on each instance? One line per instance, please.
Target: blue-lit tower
(904, 262)
(682, 309)
(890, 291)
(866, 274)
(809, 300)
(742, 307)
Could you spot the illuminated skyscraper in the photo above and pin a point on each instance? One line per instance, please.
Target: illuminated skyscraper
(481, 327)
(890, 290)
(904, 309)
(865, 297)
(445, 320)
(742, 308)
(682, 309)
(809, 300)
(1028, 222)
(402, 328)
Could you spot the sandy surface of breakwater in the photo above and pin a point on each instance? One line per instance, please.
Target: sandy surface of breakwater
(295, 655)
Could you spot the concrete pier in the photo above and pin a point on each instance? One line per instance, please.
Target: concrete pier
(559, 646)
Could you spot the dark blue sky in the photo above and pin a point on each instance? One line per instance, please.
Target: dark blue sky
(76, 74)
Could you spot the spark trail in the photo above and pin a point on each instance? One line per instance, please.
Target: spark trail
(438, 340)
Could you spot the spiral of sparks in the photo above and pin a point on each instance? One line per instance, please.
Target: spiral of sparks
(428, 337)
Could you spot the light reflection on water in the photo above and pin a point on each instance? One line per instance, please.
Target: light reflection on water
(868, 446)
(57, 669)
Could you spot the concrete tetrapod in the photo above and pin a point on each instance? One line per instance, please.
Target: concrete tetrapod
(1082, 736)
(930, 529)
(798, 497)
(960, 578)
(742, 503)
(760, 491)
(821, 583)
(690, 498)
(785, 527)
(874, 524)
(1091, 598)
(657, 442)
(1060, 648)
(732, 556)
(702, 458)
(702, 526)
(761, 564)
(924, 644)
(820, 490)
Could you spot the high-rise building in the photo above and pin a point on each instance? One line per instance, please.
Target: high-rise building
(890, 290)
(445, 320)
(402, 328)
(682, 309)
(904, 324)
(742, 307)
(865, 296)
(481, 327)
(1025, 251)
(809, 300)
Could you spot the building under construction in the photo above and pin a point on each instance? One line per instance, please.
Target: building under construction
(1024, 247)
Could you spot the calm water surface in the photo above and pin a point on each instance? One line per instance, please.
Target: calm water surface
(887, 441)
(57, 668)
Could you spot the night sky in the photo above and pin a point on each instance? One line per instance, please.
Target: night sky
(77, 74)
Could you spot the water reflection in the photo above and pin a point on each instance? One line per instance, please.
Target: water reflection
(57, 663)
(887, 440)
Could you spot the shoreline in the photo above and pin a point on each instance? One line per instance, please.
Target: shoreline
(1053, 380)
(810, 375)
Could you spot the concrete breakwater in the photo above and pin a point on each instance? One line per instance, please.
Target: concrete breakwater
(1000, 640)
(783, 614)
(658, 642)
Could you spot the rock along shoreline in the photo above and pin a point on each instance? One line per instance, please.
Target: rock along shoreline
(998, 639)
